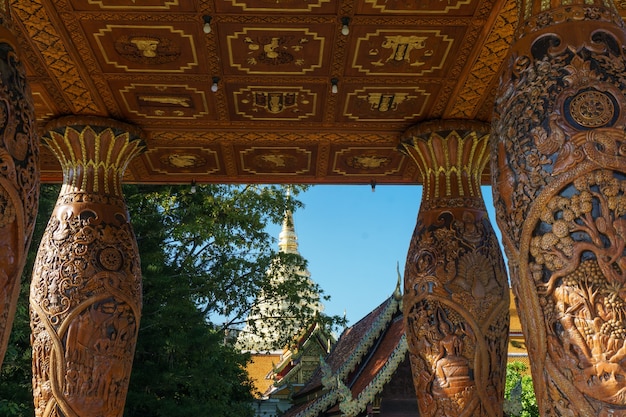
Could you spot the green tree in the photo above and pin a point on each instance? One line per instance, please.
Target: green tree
(519, 393)
(181, 366)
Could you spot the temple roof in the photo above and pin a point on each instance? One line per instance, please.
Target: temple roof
(365, 357)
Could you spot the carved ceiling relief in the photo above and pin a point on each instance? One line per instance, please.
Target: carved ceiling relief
(54, 52)
(485, 68)
(153, 62)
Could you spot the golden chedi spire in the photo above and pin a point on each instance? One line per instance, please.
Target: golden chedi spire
(287, 239)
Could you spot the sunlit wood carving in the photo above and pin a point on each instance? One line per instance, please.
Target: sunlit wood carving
(86, 289)
(559, 177)
(456, 304)
(19, 175)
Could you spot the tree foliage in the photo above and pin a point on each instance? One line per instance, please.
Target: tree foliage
(519, 394)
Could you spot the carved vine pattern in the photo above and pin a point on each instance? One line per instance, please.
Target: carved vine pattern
(560, 149)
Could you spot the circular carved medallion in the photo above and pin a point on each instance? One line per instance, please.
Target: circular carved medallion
(591, 109)
(111, 258)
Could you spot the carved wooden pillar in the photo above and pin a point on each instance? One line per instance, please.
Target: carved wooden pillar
(559, 174)
(19, 174)
(86, 289)
(456, 298)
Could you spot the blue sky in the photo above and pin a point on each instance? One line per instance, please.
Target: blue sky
(353, 239)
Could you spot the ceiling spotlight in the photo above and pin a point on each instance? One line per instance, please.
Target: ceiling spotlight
(192, 190)
(345, 30)
(334, 88)
(207, 24)
(215, 86)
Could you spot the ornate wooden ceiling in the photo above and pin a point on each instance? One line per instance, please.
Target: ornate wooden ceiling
(274, 116)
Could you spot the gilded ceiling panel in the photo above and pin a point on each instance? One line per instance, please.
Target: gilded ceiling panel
(185, 160)
(277, 50)
(134, 5)
(422, 7)
(155, 48)
(400, 52)
(392, 103)
(151, 101)
(276, 102)
(276, 160)
(359, 161)
(273, 6)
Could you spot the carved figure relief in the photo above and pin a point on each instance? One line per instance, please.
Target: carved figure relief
(560, 169)
(19, 178)
(86, 290)
(456, 291)
(166, 100)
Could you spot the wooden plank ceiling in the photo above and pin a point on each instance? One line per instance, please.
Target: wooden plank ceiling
(274, 117)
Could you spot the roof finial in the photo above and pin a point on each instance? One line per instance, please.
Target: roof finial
(397, 293)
